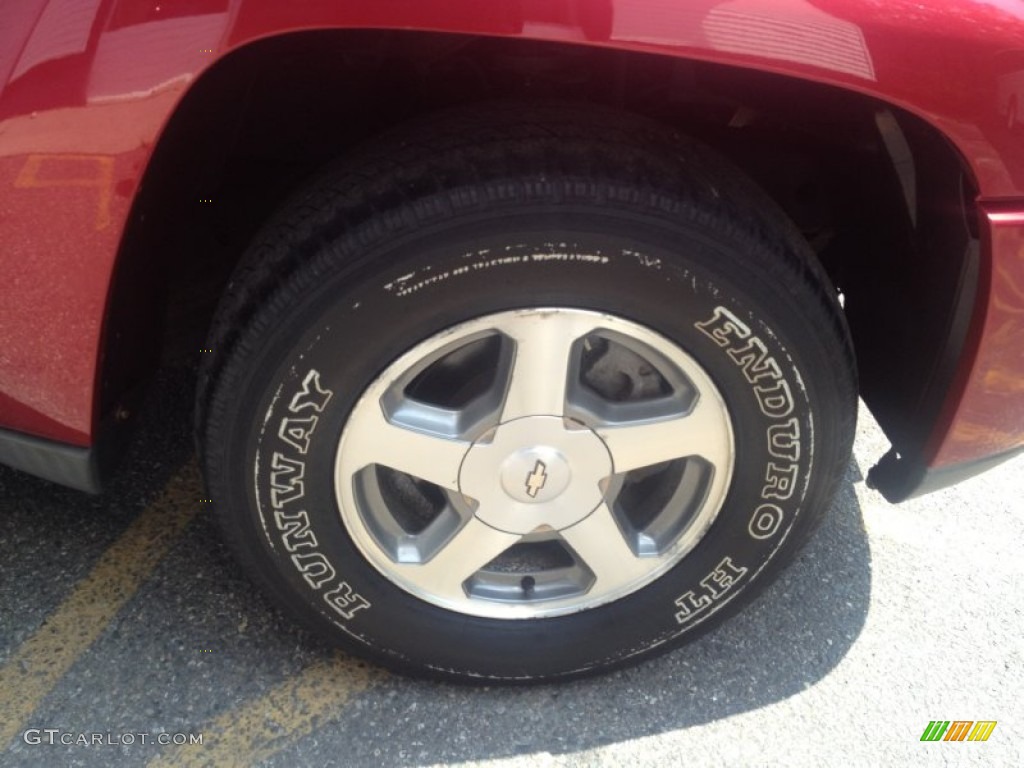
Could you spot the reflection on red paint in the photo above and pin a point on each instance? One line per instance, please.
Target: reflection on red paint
(90, 171)
(989, 416)
(88, 87)
(784, 31)
(78, 118)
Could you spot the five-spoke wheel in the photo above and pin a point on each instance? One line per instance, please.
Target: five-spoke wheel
(534, 462)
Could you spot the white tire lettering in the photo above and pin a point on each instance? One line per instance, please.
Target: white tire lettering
(690, 605)
(765, 521)
(295, 530)
(774, 397)
(779, 482)
(286, 482)
(720, 580)
(315, 569)
(755, 362)
(296, 431)
(716, 585)
(345, 602)
(724, 327)
(750, 354)
(312, 395)
(784, 440)
(776, 401)
(287, 485)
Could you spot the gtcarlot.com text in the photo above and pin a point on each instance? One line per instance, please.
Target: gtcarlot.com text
(97, 739)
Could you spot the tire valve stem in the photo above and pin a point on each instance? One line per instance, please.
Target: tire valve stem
(528, 584)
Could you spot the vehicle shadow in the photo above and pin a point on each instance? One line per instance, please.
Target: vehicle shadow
(791, 637)
(197, 641)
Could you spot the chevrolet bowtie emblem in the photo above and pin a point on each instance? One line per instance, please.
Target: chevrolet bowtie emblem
(536, 479)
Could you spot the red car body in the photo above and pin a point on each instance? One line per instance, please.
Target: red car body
(89, 88)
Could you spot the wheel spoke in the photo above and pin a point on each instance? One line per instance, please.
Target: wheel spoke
(541, 367)
(703, 432)
(433, 458)
(472, 547)
(513, 437)
(598, 542)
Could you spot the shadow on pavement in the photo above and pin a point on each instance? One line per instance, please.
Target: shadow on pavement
(197, 640)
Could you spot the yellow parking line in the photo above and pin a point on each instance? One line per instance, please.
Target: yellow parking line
(261, 728)
(102, 178)
(36, 667)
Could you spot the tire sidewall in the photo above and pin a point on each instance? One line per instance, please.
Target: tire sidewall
(337, 325)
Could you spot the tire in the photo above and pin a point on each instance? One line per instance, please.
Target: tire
(524, 393)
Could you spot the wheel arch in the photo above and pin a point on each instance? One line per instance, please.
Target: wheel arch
(177, 251)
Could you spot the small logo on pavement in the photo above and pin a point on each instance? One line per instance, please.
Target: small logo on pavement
(536, 479)
(959, 730)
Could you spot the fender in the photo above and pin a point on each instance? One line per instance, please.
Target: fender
(88, 86)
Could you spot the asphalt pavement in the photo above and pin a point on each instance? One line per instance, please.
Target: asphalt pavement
(127, 634)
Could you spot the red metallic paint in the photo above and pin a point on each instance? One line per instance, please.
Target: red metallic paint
(88, 86)
(984, 413)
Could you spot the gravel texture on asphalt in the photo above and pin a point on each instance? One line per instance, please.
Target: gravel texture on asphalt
(891, 617)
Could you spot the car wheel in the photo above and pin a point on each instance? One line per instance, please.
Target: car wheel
(524, 393)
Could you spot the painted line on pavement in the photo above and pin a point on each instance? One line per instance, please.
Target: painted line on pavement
(41, 661)
(262, 727)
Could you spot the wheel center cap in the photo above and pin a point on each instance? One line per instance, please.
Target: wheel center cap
(535, 471)
(535, 475)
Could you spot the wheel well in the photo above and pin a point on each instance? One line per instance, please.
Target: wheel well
(883, 198)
